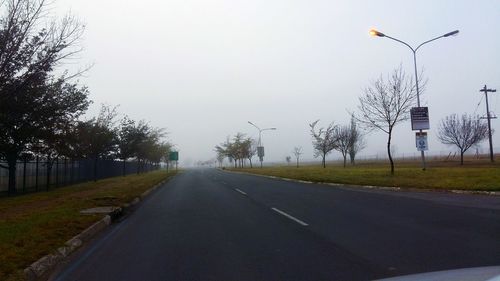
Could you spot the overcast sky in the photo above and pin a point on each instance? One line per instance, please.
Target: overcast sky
(203, 68)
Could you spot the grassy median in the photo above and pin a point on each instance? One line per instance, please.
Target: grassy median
(34, 225)
(439, 175)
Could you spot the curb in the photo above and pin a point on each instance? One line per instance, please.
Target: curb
(41, 269)
(388, 188)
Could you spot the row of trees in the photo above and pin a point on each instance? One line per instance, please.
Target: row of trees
(102, 138)
(40, 108)
(346, 139)
(238, 149)
(387, 103)
(383, 105)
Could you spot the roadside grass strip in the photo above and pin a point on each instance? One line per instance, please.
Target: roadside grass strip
(34, 225)
(438, 176)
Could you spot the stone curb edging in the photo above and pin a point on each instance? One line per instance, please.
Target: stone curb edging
(40, 269)
(391, 188)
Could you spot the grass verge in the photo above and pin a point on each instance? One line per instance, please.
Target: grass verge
(408, 175)
(34, 225)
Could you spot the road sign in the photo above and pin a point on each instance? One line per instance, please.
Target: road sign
(260, 151)
(419, 118)
(421, 141)
(173, 156)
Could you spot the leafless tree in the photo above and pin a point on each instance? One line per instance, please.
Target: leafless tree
(386, 103)
(221, 154)
(463, 132)
(288, 160)
(356, 140)
(342, 134)
(249, 147)
(324, 140)
(297, 151)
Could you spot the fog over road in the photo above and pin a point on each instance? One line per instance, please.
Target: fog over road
(207, 224)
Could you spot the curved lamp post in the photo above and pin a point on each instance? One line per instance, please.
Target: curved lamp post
(374, 32)
(259, 144)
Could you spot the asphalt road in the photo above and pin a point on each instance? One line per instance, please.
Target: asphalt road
(207, 224)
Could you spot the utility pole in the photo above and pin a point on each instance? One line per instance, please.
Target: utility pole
(489, 117)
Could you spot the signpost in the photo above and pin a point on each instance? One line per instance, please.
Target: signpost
(173, 156)
(419, 118)
(260, 153)
(421, 141)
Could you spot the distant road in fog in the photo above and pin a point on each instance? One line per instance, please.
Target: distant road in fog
(207, 224)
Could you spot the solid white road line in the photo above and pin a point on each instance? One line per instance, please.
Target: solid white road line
(290, 217)
(240, 191)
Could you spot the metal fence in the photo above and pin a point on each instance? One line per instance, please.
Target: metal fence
(32, 175)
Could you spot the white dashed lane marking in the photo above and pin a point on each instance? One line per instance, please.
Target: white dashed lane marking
(240, 191)
(289, 216)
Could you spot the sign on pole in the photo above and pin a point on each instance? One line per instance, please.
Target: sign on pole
(173, 156)
(260, 152)
(419, 118)
(421, 141)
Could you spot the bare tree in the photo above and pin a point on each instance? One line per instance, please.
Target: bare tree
(288, 160)
(343, 135)
(324, 140)
(356, 140)
(297, 151)
(463, 132)
(220, 158)
(221, 153)
(387, 103)
(249, 149)
(240, 148)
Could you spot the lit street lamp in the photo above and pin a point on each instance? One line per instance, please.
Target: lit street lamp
(374, 32)
(260, 148)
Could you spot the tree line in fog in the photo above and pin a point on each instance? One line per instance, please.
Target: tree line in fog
(41, 108)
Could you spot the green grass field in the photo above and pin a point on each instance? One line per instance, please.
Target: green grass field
(474, 175)
(34, 225)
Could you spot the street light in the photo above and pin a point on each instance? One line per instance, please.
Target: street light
(374, 32)
(260, 148)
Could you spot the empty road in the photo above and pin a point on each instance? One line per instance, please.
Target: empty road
(207, 224)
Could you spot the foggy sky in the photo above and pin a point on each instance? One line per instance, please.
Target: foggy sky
(202, 69)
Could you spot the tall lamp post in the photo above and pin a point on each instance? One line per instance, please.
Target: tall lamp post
(374, 32)
(260, 148)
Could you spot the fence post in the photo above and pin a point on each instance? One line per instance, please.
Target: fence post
(48, 174)
(24, 174)
(95, 169)
(57, 171)
(81, 172)
(72, 171)
(36, 173)
(65, 171)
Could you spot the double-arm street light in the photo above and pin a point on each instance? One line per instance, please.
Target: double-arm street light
(374, 32)
(260, 148)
